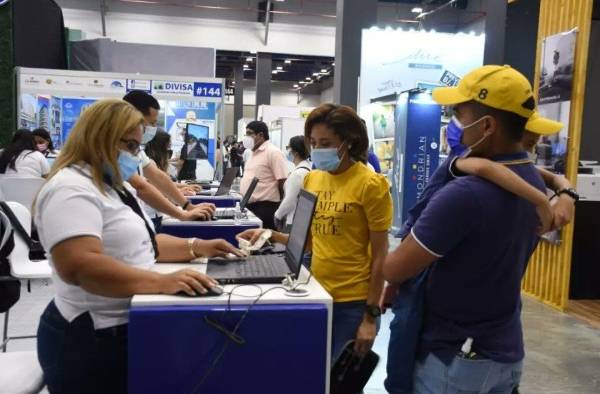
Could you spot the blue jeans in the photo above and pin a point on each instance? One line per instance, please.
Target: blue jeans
(405, 330)
(466, 376)
(347, 317)
(77, 359)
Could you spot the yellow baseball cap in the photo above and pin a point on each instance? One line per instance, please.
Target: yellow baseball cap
(500, 87)
(543, 126)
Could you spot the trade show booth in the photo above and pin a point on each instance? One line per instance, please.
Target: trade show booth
(399, 69)
(54, 99)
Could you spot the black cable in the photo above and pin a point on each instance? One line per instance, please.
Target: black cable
(232, 335)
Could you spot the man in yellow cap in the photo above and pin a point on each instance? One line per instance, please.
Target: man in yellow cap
(475, 239)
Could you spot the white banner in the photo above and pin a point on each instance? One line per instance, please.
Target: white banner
(396, 60)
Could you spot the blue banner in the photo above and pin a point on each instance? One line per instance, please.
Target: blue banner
(71, 110)
(202, 89)
(417, 150)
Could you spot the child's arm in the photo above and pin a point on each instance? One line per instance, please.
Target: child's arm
(508, 180)
(564, 209)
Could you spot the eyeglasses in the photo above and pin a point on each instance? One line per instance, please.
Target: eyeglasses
(133, 146)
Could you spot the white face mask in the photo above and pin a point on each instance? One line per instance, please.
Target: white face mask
(248, 142)
(149, 133)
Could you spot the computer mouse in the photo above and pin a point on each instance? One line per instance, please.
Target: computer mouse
(214, 291)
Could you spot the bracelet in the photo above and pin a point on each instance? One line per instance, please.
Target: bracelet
(184, 206)
(191, 248)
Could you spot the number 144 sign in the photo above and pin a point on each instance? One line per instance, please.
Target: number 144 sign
(202, 89)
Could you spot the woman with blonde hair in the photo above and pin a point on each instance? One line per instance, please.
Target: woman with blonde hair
(101, 246)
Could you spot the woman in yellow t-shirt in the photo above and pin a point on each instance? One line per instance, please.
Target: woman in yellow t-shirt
(349, 233)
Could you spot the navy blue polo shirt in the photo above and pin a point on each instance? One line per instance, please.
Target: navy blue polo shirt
(483, 236)
(438, 179)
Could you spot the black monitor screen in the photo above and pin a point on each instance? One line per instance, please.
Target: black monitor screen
(300, 227)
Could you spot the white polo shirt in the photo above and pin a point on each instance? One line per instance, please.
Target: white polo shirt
(70, 205)
(29, 164)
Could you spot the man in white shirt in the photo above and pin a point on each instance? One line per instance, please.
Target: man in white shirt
(154, 183)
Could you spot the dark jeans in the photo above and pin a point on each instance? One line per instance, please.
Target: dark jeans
(347, 317)
(77, 359)
(265, 210)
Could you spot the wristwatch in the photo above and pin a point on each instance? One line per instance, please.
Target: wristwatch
(373, 310)
(569, 192)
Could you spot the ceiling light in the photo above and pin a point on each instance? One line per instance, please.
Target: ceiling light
(274, 72)
(417, 10)
(308, 79)
(333, 64)
(246, 66)
(296, 85)
(233, 83)
(248, 59)
(279, 68)
(323, 70)
(288, 61)
(315, 74)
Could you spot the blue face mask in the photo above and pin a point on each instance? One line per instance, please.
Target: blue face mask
(290, 156)
(326, 159)
(454, 134)
(128, 164)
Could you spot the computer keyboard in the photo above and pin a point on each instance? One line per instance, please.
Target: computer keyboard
(224, 213)
(262, 266)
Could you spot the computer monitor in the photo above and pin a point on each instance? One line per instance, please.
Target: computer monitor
(196, 141)
(303, 216)
(248, 194)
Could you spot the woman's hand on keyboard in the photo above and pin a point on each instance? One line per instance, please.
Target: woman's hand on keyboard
(215, 248)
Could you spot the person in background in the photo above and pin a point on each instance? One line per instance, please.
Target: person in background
(101, 248)
(373, 160)
(349, 232)
(22, 159)
(297, 154)
(158, 184)
(235, 156)
(268, 164)
(159, 151)
(43, 141)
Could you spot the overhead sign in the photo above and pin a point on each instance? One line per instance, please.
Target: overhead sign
(173, 88)
(203, 89)
(394, 61)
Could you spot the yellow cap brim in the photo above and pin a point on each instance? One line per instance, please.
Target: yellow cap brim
(449, 96)
(543, 126)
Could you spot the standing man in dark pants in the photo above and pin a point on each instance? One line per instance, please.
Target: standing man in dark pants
(269, 165)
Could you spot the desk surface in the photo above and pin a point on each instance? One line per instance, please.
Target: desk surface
(242, 294)
(251, 220)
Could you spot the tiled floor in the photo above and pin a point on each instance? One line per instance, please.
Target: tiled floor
(563, 354)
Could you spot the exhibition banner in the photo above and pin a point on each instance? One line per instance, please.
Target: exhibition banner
(394, 61)
(556, 88)
(416, 154)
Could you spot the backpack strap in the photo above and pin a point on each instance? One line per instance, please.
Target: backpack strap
(16, 224)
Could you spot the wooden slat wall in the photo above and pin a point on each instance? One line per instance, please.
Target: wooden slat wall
(548, 275)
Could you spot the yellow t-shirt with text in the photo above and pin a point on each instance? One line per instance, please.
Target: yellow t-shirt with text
(349, 205)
